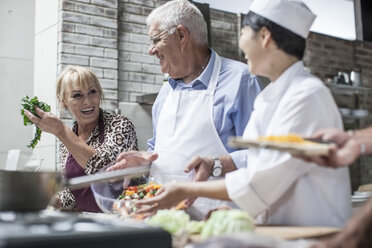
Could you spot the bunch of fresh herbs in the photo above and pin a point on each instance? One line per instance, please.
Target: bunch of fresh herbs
(30, 105)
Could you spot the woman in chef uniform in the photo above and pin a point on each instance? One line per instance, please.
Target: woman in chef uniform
(277, 188)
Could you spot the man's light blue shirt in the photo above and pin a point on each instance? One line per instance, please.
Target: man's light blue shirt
(233, 101)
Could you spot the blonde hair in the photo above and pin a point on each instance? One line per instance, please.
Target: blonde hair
(78, 76)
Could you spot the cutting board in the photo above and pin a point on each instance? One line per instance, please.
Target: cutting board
(296, 232)
(286, 232)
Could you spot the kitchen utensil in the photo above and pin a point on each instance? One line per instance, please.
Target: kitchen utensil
(360, 112)
(61, 229)
(340, 78)
(31, 191)
(355, 78)
(297, 149)
(107, 193)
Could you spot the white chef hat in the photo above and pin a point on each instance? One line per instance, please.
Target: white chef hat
(290, 14)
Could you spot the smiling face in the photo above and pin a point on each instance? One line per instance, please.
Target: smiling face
(79, 91)
(166, 48)
(252, 44)
(83, 103)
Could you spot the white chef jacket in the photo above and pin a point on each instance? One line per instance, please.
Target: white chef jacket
(277, 188)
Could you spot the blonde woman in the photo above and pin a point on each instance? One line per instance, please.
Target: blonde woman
(96, 138)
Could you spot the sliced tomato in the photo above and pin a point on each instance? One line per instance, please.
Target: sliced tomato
(133, 188)
(148, 189)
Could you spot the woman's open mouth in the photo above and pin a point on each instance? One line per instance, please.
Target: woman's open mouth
(87, 110)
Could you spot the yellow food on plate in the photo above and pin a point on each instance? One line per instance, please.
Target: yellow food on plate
(291, 138)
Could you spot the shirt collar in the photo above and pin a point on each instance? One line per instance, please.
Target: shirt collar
(203, 78)
(277, 88)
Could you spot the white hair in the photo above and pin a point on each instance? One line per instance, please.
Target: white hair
(180, 12)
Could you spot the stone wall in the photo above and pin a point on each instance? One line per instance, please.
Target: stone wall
(139, 73)
(326, 56)
(224, 33)
(88, 36)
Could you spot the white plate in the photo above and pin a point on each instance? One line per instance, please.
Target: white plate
(294, 148)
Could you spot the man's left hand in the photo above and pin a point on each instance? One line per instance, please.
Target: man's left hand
(203, 167)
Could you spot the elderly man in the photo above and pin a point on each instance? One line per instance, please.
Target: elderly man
(207, 98)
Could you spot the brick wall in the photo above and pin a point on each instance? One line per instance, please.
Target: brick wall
(139, 73)
(224, 33)
(325, 56)
(88, 36)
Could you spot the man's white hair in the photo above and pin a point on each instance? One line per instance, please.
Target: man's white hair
(180, 12)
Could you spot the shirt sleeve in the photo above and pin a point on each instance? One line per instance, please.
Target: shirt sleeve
(250, 87)
(240, 158)
(67, 199)
(263, 188)
(255, 190)
(120, 137)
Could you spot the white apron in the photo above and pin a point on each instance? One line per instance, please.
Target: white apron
(185, 129)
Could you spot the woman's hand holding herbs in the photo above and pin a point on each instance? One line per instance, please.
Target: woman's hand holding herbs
(38, 113)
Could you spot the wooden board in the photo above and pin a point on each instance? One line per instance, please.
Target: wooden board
(296, 232)
(297, 149)
(286, 232)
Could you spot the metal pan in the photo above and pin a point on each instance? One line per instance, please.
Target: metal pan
(32, 191)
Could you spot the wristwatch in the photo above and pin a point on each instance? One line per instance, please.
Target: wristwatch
(217, 167)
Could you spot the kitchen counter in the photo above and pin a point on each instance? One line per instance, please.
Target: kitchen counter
(277, 236)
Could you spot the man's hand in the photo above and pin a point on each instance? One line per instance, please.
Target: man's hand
(339, 156)
(203, 168)
(334, 135)
(133, 159)
(343, 152)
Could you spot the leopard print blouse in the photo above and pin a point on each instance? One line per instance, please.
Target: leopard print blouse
(119, 136)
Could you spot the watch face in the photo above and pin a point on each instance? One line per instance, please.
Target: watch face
(217, 172)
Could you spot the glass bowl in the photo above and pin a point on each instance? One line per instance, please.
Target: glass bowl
(106, 194)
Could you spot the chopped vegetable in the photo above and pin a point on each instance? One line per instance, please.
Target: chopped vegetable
(170, 220)
(283, 138)
(195, 227)
(140, 192)
(30, 104)
(227, 221)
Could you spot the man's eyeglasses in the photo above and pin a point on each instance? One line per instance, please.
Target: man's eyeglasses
(155, 39)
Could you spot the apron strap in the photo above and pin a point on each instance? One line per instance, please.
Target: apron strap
(215, 74)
